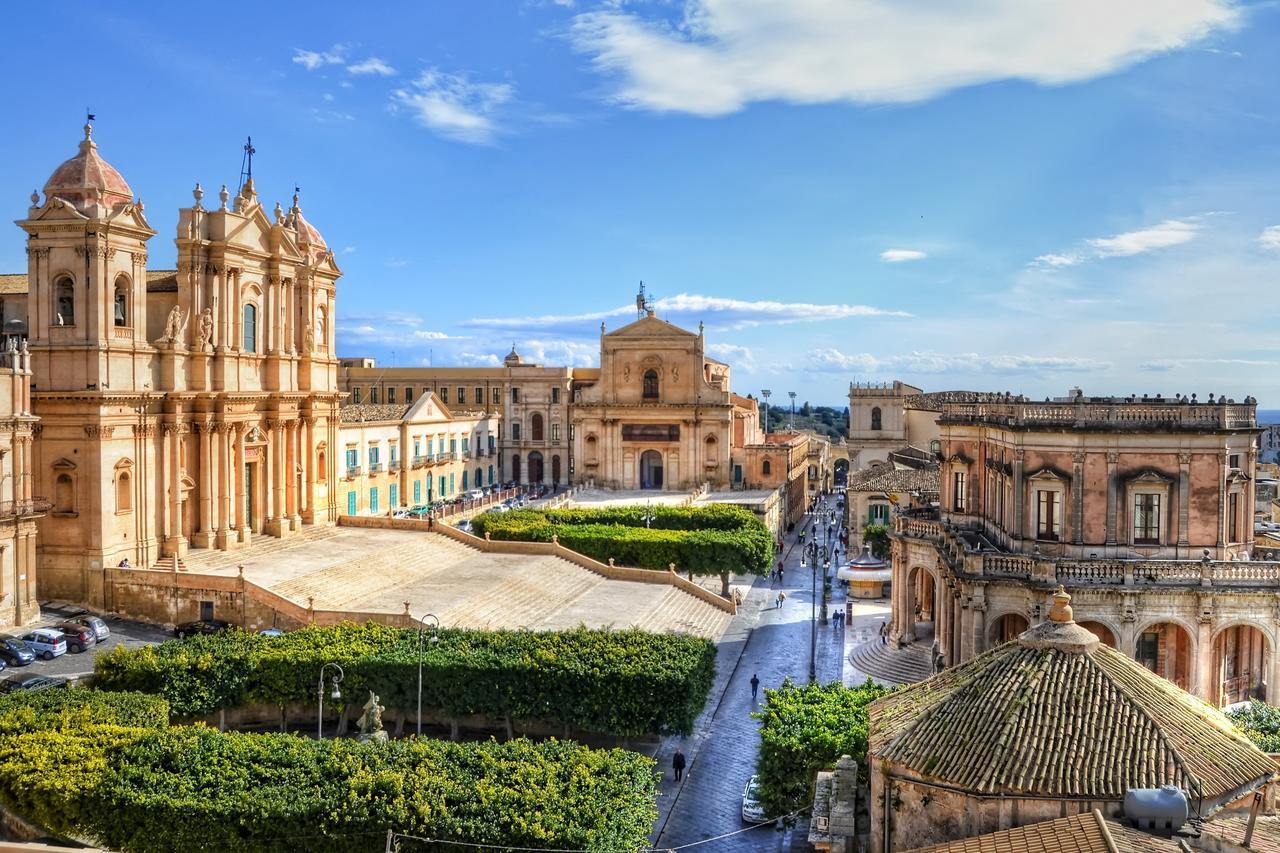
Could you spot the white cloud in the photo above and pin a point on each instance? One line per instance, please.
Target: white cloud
(897, 256)
(736, 356)
(395, 263)
(388, 328)
(721, 55)
(452, 106)
(372, 65)
(349, 250)
(834, 361)
(1163, 364)
(475, 359)
(1171, 232)
(313, 59)
(1270, 238)
(689, 308)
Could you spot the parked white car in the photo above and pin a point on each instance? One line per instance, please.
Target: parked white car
(752, 811)
(46, 642)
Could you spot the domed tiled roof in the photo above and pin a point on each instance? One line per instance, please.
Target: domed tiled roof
(308, 235)
(513, 358)
(87, 178)
(1056, 714)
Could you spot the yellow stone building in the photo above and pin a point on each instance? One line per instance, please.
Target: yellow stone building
(188, 408)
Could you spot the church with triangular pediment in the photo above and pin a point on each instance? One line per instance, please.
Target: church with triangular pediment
(177, 408)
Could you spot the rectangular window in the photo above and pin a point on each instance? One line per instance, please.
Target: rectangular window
(444, 396)
(417, 491)
(878, 514)
(391, 395)
(462, 395)
(373, 499)
(453, 482)
(417, 447)
(515, 395)
(353, 458)
(394, 496)
(1234, 460)
(393, 450)
(356, 396)
(351, 503)
(555, 432)
(453, 445)
(1049, 515)
(466, 446)
(496, 396)
(1233, 517)
(515, 432)
(555, 395)
(408, 393)
(479, 396)
(492, 445)
(958, 490)
(441, 493)
(1146, 519)
(373, 395)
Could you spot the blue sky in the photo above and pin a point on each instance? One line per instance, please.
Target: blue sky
(994, 195)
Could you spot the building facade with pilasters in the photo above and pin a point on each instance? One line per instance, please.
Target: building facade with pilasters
(193, 408)
(1141, 508)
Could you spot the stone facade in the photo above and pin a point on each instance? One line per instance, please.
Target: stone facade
(20, 508)
(884, 417)
(397, 456)
(189, 408)
(1142, 508)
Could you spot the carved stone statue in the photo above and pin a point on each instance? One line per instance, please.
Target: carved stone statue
(370, 721)
(309, 340)
(172, 326)
(206, 328)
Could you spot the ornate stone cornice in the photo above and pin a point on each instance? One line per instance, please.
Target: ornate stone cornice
(144, 430)
(98, 431)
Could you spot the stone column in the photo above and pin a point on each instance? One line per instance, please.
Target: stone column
(294, 432)
(1019, 496)
(1112, 459)
(207, 483)
(1204, 681)
(174, 540)
(1184, 503)
(1077, 497)
(223, 470)
(271, 487)
(243, 532)
(307, 456)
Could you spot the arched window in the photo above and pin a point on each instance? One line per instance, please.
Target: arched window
(935, 447)
(64, 494)
(651, 384)
(121, 308)
(535, 427)
(124, 492)
(250, 326)
(322, 329)
(322, 467)
(64, 294)
(766, 468)
(875, 418)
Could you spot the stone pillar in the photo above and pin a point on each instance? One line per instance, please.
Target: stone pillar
(175, 543)
(1077, 497)
(1184, 503)
(1205, 683)
(1112, 459)
(1019, 496)
(291, 473)
(244, 533)
(274, 508)
(224, 470)
(206, 483)
(307, 457)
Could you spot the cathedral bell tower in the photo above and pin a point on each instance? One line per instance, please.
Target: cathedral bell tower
(87, 257)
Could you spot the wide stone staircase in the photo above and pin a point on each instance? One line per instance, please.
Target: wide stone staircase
(883, 662)
(262, 546)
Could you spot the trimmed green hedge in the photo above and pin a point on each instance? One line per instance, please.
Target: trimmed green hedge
(1260, 723)
(27, 711)
(616, 682)
(147, 790)
(712, 540)
(804, 729)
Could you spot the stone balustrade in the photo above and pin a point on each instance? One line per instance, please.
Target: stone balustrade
(1120, 413)
(1086, 573)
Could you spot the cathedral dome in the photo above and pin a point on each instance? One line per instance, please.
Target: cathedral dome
(87, 178)
(308, 234)
(513, 358)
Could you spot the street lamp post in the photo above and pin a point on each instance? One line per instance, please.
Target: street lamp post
(792, 395)
(766, 393)
(813, 619)
(648, 513)
(435, 638)
(337, 694)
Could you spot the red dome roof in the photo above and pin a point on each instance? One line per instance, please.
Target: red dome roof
(88, 177)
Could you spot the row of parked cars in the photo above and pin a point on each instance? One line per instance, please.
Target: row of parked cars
(76, 635)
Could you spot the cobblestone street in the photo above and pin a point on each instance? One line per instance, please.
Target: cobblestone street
(722, 751)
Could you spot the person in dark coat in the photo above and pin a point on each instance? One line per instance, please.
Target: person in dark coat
(677, 764)
(755, 686)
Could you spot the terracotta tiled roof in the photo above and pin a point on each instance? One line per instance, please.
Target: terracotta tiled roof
(1087, 832)
(158, 281)
(1056, 723)
(1231, 826)
(896, 480)
(366, 412)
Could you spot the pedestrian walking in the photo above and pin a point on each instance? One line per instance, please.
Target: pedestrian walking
(755, 686)
(782, 596)
(777, 573)
(884, 633)
(677, 764)
(780, 573)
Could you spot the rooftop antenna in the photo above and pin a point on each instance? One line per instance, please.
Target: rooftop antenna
(246, 162)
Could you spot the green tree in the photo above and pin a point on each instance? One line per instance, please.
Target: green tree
(806, 410)
(877, 536)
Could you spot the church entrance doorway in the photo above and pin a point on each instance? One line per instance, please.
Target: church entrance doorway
(651, 470)
(535, 467)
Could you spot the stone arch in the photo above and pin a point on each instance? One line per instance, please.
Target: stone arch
(322, 459)
(711, 447)
(651, 388)
(535, 426)
(1167, 647)
(64, 299)
(124, 485)
(1242, 656)
(1007, 626)
(923, 598)
(651, 469)
(876, 422)
(122, 301)
(766, 468)
(1106, 633)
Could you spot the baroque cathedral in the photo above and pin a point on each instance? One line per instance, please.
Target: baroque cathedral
(177, 409)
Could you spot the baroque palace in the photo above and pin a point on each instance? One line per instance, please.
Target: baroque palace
(1141, 508)
(170, 409)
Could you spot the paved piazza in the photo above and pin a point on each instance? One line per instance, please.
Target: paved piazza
(377, 571)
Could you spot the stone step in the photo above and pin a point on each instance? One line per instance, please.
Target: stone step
(883, 662)
(546, 586)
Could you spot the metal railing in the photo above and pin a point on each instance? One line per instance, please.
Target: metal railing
(19, 509)
(353, 471)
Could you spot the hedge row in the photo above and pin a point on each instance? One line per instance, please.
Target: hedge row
(731, 541)
(615, 682)
(1260, 723)
(804, 729)
(148, 790)
(26, 711)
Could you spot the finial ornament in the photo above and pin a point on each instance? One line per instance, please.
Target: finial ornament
(198, 194)
(223, 195)
(35, 198)
(279, 214)
(1061, 610)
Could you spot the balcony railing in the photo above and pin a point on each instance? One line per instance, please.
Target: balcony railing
(353, 471)
(420, 460)
(1107, 572)
(375, 467)
(20, 509)
(393, 466)
(1149, 413)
